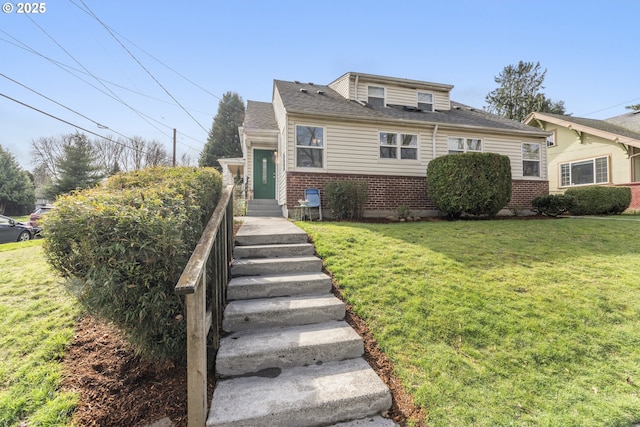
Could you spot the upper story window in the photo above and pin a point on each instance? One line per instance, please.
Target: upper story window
(398, 146)
(309, 146)
(464, 145)
(551, 139)
(425, 101)
(530, 159)
(585, 172)
(375, 96)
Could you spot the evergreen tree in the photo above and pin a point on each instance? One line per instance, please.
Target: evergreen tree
(77, 168)
(224, 140)
(634, 107)
(519, 93)
(17, 191)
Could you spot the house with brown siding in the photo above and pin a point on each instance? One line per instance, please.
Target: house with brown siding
(381, 130)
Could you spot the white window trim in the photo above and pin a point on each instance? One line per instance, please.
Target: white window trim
(552, 140)
(295, 147)
(398, 146)
(539, 160)
(384, 94)
(593, 159)
(433, 99)
(465, 144)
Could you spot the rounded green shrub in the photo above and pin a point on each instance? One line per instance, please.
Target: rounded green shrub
(471, 183)
(124, 248)
(598, 200)
(553, 204)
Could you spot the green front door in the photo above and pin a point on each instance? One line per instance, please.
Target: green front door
(264, 174)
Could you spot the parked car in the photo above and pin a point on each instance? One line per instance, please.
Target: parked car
(35, 217)
(14, 231)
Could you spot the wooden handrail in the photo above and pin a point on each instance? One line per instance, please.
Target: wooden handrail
(190, 277)
(217, 235)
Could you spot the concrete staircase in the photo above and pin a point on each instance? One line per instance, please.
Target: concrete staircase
(289, 358)
(263, 207)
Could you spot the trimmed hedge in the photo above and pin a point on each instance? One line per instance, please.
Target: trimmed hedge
(125, 245)
(598, 200)
(553, 204)
(470, 183)
(346, 199)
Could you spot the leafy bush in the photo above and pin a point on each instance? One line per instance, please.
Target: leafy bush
(127, 244)
(470, 183)
(346, 199)
(598, 200)
(553, 204)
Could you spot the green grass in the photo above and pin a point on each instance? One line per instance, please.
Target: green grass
(36, 326)
(500, 323)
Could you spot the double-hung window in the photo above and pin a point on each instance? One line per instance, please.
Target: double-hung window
(530, 159)
(585, 172)
(309, 146)
(375, 96)
(425, 101)
(398, 146)
(464, 145)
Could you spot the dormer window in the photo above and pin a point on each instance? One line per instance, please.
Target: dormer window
(425, 101)
(375, 96)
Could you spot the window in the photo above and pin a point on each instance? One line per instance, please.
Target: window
(464, 145)
(585, 172)
(375, 96)
(402, 146)
(551, 139)
(309, 146)
(425, 101)
(530, 159)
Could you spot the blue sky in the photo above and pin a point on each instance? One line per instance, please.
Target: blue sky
(589, 48)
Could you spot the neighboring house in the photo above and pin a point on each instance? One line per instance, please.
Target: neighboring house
(381, 130)
(583, 152)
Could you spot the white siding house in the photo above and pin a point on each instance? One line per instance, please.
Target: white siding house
(381, 130)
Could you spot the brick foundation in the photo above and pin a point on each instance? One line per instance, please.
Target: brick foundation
(635, 195)
(386, 193)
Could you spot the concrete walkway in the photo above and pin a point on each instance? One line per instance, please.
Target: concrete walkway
(289, 358)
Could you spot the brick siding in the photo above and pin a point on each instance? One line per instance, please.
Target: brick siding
(635, 195)
(386, 193)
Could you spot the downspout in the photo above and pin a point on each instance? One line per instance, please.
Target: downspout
(433, 142)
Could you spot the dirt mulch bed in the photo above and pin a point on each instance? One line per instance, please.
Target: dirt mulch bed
(117, 388)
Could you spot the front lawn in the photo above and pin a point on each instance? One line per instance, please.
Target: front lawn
(36, 325)
(500, 323)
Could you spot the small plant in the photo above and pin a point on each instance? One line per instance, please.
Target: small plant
(553, 204)
(403, 212)
(346, 199)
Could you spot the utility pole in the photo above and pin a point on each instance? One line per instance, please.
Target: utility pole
(174, 147)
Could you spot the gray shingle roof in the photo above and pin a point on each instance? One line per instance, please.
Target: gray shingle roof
(629, 120)
(332, 104)
(603, 125)
(260, 115)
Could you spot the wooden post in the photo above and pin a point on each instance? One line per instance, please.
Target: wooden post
(197, 354)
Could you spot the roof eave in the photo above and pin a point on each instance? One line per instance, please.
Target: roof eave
(535, 133)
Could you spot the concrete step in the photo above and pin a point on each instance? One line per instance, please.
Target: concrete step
(376, 421)
(245, 315)
(278, 285)
(315, 395)
(269, 231)
(267, 266)
(266, 251)
(246, 353)
(262, 202)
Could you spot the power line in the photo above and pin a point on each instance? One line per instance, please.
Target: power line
(142, 66)
(116, 97)
(151, 56)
